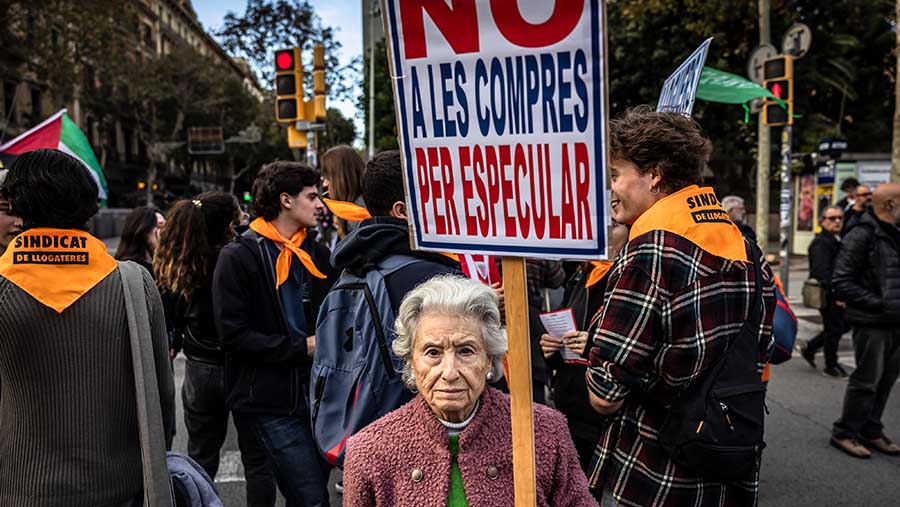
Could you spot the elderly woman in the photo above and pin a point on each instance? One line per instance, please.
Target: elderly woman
(452, 444)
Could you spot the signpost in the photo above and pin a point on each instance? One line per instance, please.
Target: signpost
(758, 57)
(797, 40)
(501, 124)
(680, 89)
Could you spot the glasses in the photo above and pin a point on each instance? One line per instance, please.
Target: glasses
(866, 194)
(833, 219)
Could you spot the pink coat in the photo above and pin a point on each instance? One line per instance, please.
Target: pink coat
(403, 459)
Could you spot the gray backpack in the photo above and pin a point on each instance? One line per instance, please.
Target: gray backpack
(355, 377)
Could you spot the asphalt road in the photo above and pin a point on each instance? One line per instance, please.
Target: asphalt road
(799, 466)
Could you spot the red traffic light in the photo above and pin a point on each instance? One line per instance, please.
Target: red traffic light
(284, 59)
(781, 89)
(776, 90)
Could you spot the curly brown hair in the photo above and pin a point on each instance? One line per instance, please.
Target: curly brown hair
(276, 178)
(668, 143)
(195, 231)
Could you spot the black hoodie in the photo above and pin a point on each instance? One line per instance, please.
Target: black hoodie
(379, 237)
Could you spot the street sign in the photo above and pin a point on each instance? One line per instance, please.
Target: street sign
(498, 158)
(796, 40)
(757, 58)
(680, 89)
(206, 141)
(307, 125)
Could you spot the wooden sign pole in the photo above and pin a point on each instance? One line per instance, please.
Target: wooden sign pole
(515, 288)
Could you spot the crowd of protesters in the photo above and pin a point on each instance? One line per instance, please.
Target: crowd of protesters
(248, 305)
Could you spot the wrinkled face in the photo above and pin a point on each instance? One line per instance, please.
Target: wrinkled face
(631, 191)
(10, 225)
(450, 363)
(304, 207)
(832, 220)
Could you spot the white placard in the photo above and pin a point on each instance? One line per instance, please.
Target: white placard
(500, 109)
(680, 89)
(559, 323)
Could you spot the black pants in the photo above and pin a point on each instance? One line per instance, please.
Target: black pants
(834, 326)
(877, 353)
(206, 418)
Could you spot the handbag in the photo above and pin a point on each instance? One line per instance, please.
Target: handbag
(813, 294)
(170, 479)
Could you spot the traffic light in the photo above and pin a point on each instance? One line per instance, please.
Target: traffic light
(778, 78)
(319, 81)
(288, 86)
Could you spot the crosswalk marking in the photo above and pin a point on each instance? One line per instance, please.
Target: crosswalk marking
(231, 469)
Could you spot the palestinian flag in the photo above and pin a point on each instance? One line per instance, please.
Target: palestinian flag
(61, 133)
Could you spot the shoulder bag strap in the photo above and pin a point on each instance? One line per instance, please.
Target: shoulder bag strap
(157, 487)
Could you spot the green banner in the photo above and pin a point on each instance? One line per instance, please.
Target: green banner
(718, 86)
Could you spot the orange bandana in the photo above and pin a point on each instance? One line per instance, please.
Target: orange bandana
(695, 214)
(347, 210)
(292, 246)
(56, 266)
(599, 271)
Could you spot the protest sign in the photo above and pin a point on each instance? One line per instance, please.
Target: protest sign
(501, 117)
(680, 89)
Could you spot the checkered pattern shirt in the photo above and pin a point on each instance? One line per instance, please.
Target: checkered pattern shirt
(670, 310)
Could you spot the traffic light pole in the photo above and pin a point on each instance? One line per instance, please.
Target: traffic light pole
(763, 152)
(787, 201)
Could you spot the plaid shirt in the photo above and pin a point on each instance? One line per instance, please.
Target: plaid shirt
(670, 310)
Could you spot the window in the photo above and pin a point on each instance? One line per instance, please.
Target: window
(148, 36)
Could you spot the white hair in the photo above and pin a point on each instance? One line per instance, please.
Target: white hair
(454, 296)
(730, 201)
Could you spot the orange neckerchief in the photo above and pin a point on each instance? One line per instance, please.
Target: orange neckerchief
(292, 246)
(695, 214)
(349, 211)
(56, 266)
(352, 212)
(601, 268)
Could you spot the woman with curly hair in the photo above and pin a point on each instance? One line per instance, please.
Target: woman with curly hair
(184, 263)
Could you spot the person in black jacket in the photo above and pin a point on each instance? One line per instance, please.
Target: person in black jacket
(584, 295)
(822, 253)
(185, 258)
(867, 278)
(267, 289)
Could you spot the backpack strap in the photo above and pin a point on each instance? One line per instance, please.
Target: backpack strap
(393, 263)
(157, 486)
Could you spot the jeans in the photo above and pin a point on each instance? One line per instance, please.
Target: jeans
(877, 353)
(206, 418)
(834, 326)
(301, 472)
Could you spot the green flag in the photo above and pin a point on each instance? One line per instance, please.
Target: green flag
(718, 86)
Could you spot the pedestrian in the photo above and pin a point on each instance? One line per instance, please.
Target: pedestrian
(584, 295)
(867, 278)
(267, 289)
(684, 289)
(140, 236)
(452, 444)
(542, 276)
(848, 188)
(189, 246)
(69, 432)
(10, 224)
(823, 251)
(342, 170)
(862, 202)
(734, 206)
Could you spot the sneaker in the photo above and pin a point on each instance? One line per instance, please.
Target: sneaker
(851, 446)
(835, 371)
(805, 353)
(882, 444)
(339, 487)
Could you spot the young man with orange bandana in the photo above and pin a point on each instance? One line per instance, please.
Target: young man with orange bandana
(676, 300)
(267, 289)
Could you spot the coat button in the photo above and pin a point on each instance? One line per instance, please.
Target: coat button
(492, 472)
(417, 475)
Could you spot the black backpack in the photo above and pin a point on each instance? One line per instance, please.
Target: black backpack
(715, 428)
